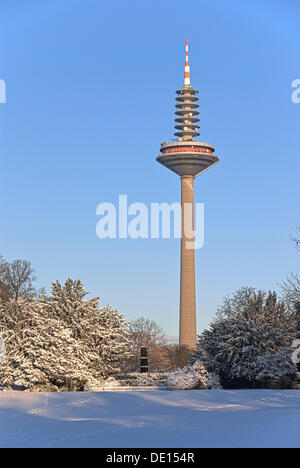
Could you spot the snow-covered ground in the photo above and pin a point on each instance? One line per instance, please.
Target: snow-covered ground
(151, 419)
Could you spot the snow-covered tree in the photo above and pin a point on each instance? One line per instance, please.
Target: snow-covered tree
(232, 305)
(2, 351)
(101, 332)
(248, 326)
(40, 352)
(277, 366)
(60, 341)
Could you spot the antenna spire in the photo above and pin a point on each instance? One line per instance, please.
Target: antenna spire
(187, 77)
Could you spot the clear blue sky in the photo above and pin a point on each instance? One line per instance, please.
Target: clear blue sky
(90, 97)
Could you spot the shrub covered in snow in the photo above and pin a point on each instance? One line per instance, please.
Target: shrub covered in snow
(193, 377)
(111, 382)
(142, 380)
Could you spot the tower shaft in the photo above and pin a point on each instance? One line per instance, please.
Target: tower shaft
(188, 334)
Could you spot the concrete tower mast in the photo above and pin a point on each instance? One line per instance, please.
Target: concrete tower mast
(188, 158)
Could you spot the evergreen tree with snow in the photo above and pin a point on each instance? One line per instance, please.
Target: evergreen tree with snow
(60, 341)
(40, 352)
(276, 367)
(250, 330)
(101, 332)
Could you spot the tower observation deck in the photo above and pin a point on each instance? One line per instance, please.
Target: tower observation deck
(188, 158)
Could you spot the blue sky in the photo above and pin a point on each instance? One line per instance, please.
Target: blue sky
(90, 97)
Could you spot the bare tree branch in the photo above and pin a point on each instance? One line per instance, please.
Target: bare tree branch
(296, 240)
(291, 291)
(146, 332)
(17, 279)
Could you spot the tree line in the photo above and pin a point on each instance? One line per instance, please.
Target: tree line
(65, 341)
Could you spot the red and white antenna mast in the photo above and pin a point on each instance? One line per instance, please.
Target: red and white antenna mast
(187, 76)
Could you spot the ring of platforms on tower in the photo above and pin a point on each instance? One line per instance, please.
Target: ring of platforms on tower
(187, 156)
(187, 113)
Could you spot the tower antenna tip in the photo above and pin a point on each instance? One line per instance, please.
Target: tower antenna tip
(187, 78)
